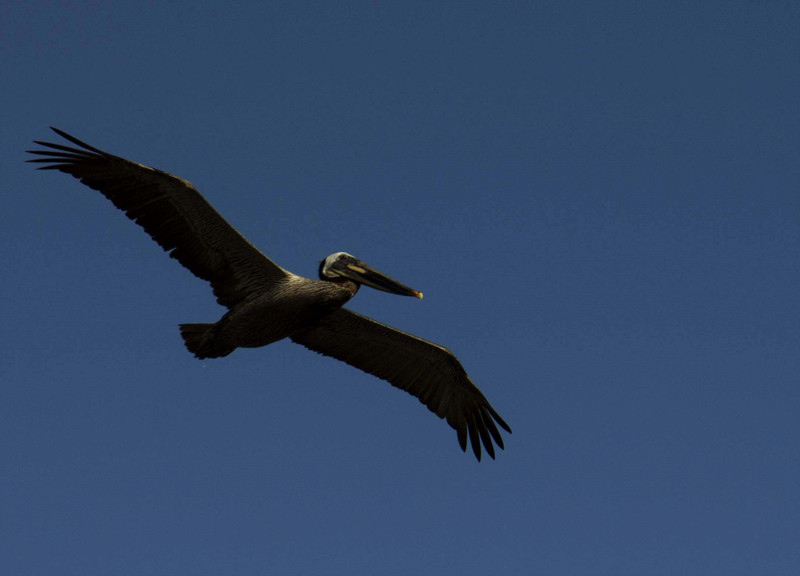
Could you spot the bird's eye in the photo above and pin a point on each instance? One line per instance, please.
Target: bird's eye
(342, 257)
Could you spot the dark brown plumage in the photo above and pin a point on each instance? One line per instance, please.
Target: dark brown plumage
(267, 303)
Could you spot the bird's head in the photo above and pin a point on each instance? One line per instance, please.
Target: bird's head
(343, 265)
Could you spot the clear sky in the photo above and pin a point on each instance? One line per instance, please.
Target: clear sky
(598, 199)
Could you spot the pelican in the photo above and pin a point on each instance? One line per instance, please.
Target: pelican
(267, 303)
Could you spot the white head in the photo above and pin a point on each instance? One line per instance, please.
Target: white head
(326, 269)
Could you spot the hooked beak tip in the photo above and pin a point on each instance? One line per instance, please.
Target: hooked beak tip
(418, 294)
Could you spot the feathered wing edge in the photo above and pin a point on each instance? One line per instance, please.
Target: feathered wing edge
(428, 371)
(172, 212)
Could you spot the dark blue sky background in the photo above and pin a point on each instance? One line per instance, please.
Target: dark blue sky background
(598, 199)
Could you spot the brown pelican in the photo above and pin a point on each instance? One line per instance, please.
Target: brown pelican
(267, 303)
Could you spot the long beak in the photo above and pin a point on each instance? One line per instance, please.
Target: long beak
(367, 275)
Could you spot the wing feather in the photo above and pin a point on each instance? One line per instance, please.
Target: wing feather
(173, 213)
(421, 368)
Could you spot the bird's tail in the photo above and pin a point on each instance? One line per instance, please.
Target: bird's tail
(200, 341)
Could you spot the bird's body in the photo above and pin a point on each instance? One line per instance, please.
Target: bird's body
(287, 308)
(267, 303)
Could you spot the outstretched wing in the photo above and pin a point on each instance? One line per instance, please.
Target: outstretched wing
(173, 213)
(421, 368)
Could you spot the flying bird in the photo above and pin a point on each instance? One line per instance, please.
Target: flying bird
(267, 303)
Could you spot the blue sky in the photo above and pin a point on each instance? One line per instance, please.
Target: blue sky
(598, 199)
